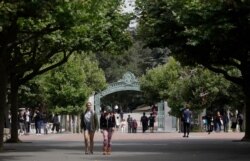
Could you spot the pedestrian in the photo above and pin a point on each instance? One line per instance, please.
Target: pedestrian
(134, 126)
(151, 120)
(187, 114)
(240, 121)
(45, 123)
(210, 122)
(121, 114)
(129, 122)
(233, 122)
(107, 126)
(27, 120)
(123, 125)
(117, 123)
(144, 122)
(38, 122)
(21, 120)
(89, 124)
(225, 122)
(56, 123)
(204, 123)
(218, 122)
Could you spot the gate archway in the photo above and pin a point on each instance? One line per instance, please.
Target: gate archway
(128, 82)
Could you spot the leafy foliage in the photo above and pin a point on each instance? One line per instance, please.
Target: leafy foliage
(67, 88)
(156, 82)
(38, 35)
(199, 87)
(211, 33)
(136, 59)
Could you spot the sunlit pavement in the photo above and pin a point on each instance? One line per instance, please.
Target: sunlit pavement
(131, 147)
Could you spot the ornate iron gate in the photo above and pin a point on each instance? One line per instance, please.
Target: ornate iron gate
(128, 82)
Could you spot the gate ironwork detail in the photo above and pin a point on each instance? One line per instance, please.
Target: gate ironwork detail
(128, 83)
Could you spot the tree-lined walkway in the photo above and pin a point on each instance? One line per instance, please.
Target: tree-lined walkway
(139, 146)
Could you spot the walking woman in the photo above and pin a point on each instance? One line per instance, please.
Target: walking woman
(89, 124)
(107, 126)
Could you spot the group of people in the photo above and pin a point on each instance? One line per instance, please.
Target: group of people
(40, 120)
(213, 122)
(216, 122)
(90, 124)
(147, 122)
(24, 120)
(107, 125)
(26, 117)
(132, 124)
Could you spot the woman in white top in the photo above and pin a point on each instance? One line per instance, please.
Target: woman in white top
(123, 125)
(89, 124)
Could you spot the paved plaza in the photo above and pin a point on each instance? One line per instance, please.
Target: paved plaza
(131, 147)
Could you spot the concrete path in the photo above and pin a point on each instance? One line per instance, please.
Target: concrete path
(131, 147)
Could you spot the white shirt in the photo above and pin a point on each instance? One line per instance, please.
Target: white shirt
(87, 116)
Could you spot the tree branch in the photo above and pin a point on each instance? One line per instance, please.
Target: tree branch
(40, 71)
(237, 80)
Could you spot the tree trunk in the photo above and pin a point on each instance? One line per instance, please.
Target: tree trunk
(247, 108)
(3, 94)
(78, 130)
(14, 111)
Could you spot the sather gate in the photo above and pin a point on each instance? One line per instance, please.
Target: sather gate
(128, 83)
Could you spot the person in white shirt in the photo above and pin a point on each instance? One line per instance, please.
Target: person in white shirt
(27, 120)
(89, 124)
(123, 125)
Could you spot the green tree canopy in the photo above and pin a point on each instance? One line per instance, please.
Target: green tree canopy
(34, 34)
(136, 59)
(211, 33)
(68, 87)
(156, 82)
(199, 87)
